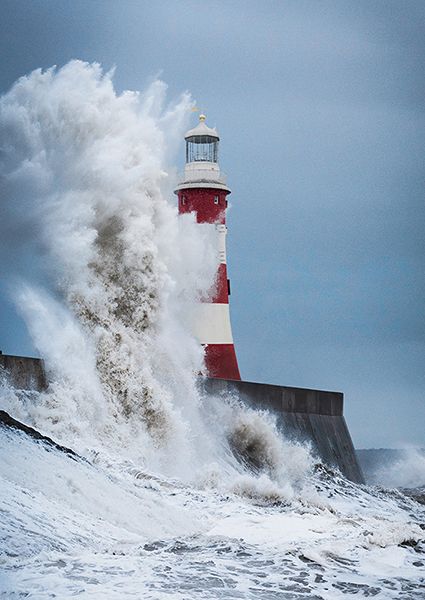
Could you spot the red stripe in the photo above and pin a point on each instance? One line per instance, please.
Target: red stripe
(221, 362)
(219, 293)
(202, 201)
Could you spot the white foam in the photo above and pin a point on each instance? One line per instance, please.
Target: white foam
(408, 471)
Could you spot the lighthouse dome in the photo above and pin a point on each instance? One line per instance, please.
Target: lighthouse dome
(202, 130)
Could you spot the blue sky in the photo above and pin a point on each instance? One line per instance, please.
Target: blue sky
(320, 107)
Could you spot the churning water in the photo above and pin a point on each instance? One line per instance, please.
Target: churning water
(172, 495)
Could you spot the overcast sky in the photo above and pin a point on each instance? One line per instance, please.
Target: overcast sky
(320, 107)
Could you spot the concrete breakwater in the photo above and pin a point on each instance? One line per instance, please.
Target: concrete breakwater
(23, 372)
(304, 415)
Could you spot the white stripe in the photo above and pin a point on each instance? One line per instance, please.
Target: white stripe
(211, 323)
(222, 232)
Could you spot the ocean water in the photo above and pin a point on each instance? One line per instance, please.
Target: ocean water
(171, 494)
(103, 527)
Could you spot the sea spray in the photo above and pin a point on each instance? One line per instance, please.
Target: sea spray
(403, 468)
(116, 271)
(248, 454)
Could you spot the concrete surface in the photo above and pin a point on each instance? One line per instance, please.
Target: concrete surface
(304, 415)
(23, 372)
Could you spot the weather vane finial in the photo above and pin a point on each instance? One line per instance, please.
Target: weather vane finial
(202, 117)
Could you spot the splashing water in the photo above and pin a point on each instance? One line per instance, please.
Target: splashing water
(394, 468)
(117, 270)
(175, 495)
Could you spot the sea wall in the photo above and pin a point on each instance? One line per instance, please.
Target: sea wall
(23, 372)
(312, 416)
(301, 414)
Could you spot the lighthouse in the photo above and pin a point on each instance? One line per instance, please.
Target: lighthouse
(203, 191)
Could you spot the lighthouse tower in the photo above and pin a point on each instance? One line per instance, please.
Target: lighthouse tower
(203, 190)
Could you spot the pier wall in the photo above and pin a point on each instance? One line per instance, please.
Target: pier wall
(23, 372)
(304, 415)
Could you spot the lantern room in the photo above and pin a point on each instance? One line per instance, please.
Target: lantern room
(202, 169)
(202, 143)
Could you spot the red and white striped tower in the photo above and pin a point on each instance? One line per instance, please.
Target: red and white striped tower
(203, 190)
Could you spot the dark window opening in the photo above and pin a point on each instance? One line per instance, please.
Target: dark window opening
(228, 286)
